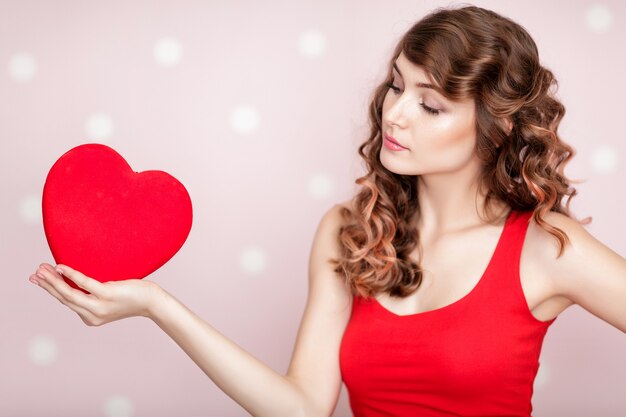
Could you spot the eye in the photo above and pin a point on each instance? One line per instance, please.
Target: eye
(396, 90)
(429, 109)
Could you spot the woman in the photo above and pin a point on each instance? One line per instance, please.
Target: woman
(420, 295)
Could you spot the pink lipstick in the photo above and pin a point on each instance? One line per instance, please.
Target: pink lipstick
(391, 144)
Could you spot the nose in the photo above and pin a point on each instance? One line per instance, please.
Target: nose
(395, 113)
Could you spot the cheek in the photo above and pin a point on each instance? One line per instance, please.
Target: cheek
(446, 143)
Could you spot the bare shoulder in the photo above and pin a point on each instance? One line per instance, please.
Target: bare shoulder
(333, 219)
(546, 247)
(587, 273)
(326, 245)
(582, 246)
(349, 204)
(542, 247)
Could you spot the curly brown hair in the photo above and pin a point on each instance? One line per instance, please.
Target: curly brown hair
(473, 53)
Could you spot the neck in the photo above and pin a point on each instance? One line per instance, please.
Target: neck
(451, 202)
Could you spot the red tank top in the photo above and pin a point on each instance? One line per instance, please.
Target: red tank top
(475, 357)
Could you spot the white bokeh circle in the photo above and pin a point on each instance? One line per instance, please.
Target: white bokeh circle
(604, 159)
(30, 209)
(253, 260)
(311, 43)
(321, 185)
(99, 126)
(599, 18)
(118, 406)
(244, 119)
(22, 67)
(167, 51)
(43, 350)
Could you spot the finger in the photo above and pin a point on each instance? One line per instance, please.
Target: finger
(93, 286)
(40, 278)
(42, 281)
(62, 291)
(87, 316)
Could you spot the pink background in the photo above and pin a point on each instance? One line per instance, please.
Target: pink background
(258, 108)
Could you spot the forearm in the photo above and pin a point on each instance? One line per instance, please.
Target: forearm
(251, 383)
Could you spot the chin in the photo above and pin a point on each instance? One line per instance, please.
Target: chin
(397, 167)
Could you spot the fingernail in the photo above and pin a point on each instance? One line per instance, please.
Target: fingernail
(59, 270)
(40, 275)
(34, 281)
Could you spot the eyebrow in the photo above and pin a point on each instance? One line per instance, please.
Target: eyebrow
(424, 85)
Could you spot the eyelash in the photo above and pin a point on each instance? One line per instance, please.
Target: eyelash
(430, 110)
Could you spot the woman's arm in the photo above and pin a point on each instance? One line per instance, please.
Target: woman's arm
(252, 384)
(588, 273)
(311, 386)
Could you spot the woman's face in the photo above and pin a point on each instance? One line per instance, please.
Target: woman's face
(437, 135)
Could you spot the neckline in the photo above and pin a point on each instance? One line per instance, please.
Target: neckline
(497, 249)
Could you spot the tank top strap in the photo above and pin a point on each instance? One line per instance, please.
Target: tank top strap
(514, 237)
(505, 272)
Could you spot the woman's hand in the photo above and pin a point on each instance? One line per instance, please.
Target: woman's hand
(107, 302)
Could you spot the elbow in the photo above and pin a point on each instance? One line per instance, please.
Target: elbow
(302, 409)
(310, 403)
(312, 411)
(305, 412)
(306, 409)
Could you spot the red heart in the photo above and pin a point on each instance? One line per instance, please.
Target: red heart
(109, 222)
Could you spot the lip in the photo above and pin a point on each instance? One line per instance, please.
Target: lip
(392, 144)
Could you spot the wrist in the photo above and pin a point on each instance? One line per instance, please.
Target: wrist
(158, 296)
